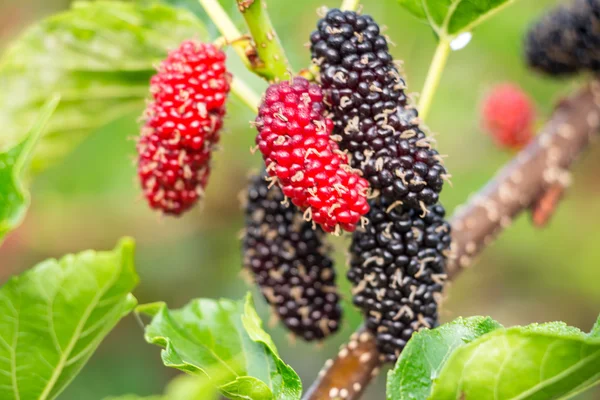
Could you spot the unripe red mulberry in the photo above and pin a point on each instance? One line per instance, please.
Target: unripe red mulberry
(508, 116)
(182, 126)
(373, 121)
(294, 138)
(290, 263)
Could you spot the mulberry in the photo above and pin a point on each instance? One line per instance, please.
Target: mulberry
(566, 40)
(290, 263)
(182, 126)
(373, 122)
(508, 116)
(398, 268)
(294, 139)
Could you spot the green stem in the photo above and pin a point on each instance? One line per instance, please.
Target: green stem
(275, 65)
(245, 94)
(349, 5)
(433, 76)
(227, 28)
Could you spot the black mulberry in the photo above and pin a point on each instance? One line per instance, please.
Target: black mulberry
(398, 269)
(566, 40)
(289, 261)
(373, 122)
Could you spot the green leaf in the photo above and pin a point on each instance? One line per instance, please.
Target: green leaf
(426, 353)
(99, 56)
(449, 18)
(223, 340)
(547, 361)
(55, 315)
(182, 387)
(14, 197)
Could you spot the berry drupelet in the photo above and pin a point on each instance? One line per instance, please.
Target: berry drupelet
(182, 125)
(373, 122)
(290, 263)
(566, 40)
(294, 139)
(398, 269)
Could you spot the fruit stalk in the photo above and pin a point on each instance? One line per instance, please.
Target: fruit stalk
(230, 32)
(274, 63)
(433, 76)
(246, 94)
(349, 5)
(567, 133)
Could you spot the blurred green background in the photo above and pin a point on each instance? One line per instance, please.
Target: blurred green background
(92, 199)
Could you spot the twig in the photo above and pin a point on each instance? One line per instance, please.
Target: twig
(544, 206)
(230, 32)
(270, 51)
(246, 94)
(540, 165)
(434, 75)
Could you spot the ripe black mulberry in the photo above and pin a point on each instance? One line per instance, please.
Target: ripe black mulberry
(289, 261)
(566, 40)
(373, 121)
(398, 269)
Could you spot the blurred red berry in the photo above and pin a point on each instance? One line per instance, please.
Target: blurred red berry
(182, 126)
(294, 138)
(508, 116)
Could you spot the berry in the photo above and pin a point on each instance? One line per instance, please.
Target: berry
(508, 116)
(397, 267)
(566, 40)
(290, 263)
(373, 121)
(294, 139)
(182, 126)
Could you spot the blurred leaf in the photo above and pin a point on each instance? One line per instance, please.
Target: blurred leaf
(427, 351)
(55, 315)
(548, 361)
(223, 340)
(14, 197)
(99, 56)
(188, 387)
(449, 18)
(182, 387)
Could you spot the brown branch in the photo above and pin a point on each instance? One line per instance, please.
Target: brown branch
(542, 164)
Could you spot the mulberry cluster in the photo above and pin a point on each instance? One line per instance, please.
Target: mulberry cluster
(566, 40)
(294, 138)
(509, 116)
(290, 263)
(398, 268)
(365, 94)
(182, 126)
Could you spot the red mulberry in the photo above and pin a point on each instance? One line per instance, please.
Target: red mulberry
(373, 122)
(182, 126)
(294, 138)
(290, 263)
(508, 116)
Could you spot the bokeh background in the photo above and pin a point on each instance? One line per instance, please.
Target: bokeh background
(92, 199)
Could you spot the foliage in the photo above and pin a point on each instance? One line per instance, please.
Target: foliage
(223, 340)
(14, 197)
(55, 315)
(476, 358)
(450, 18)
